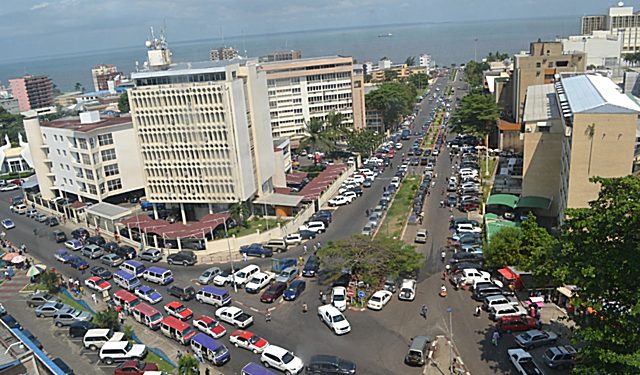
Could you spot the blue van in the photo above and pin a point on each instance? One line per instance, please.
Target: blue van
(211, 350)
(133, 267)
(252, 368)
(126, 280)
(213, 296)
(158, 275)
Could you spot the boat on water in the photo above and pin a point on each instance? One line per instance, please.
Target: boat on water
(387, 35)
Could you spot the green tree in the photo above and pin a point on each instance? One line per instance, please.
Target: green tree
(473, 73)
(240, 212)
(410, 61)
(51, 281)
(78, 87)
(363, 141)
(107, 319)
(390, 75)
(188, 365)
(123, 103)
(601, 255)
(503, 250)
(477, 114)
(10, 125)
(419, 80)
(491, 57)
(369, 260)
(317, 138)
(393, 99)
(335, 127)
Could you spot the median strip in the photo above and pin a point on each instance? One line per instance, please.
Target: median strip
(396, 216)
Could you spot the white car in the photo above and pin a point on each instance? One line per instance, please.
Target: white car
(398, 146)
(10, 187)
(379, 299)
(334, 319)
(346, 187)
(97, 283)
(8, 224)
(339, 200)
(407, 290)
(395, 182)
(313, 226)
(350, 195)
(281, 359)
(121, 351)
(74, 245)
(293, 239)
(339, 297)
(358, 178)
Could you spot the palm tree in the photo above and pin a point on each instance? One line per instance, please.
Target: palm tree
(188, 365)
(316, 138)
(240, 212)
(335, 126)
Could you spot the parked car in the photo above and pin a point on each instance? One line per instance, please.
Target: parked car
(281, 359)
(560, 356)
(79, 329)
(78, 263)
(330, 364)
(151, 255)
(59, 236)
(135, 367)
(256, 250)
(40, 298)
(178, 310)
(208, 275)
(73, 244)
(185, 293)
(111, 260)
(185, 258)
(80, 233)
(294, 290)
(421, 236)
(307, 234)
(293, 239)
(311, 266)
(97, 283)
(379, 299)
(148, 294)
(101, 272)
(65, 318)
(534, 338)
(273, 292)
(126, 252)
(248, 340)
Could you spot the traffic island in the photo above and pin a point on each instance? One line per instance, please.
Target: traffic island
(443, 358)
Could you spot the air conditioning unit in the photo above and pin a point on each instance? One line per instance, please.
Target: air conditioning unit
(567, 131)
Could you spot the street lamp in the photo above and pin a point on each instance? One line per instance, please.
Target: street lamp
(450, 310)
(233, 273)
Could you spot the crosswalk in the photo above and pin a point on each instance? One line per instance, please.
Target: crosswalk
(9, 289)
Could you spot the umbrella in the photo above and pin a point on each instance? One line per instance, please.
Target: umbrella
(42, 267)
(34, 270)
(9, 256)
(18, 259)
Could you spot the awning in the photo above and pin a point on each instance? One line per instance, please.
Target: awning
(507, 274)
(534, 202)
(279, 200)
(508, 200)
(30, 182)
(108, 211)
(567, 291)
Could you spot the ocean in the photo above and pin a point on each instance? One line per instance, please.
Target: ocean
(447, 43)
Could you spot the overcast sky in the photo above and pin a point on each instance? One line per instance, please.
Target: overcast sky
(51, 27)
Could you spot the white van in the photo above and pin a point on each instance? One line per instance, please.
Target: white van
(334, 319)
(94, 339)
(120, 351)
(158, 275)
(245, 274)
(20, 208)
(490, 301)
(314, 226)
(499, 311)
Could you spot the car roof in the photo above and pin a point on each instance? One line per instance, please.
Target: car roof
(275, 350)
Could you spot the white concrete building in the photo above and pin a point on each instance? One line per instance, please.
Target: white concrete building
(603, 49)
(424, 60)
(15, 159)
(203, 132)
(87, 158)
(384, 63)
(619, 21)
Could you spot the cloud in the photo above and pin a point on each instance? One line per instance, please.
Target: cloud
(40, 6)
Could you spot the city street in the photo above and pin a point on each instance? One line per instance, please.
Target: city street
(378, 340)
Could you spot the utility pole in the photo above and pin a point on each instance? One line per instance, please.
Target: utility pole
(475, 49)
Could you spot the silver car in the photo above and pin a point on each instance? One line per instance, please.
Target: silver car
(51, 308)
(111, 260)
(151, 255)
(40, 298)
(69, 317)
(208, 275)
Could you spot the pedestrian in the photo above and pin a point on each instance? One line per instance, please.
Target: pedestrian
(35, 232)
(443, 256)
(423, 311)
(441, 204)
(179, 355)
(304, 249)
(305, 308)
(207, 371)
(267, 316)
(94, 298)
(384, 189)
(478, 311)
(420, 219)
(70, 284)
(300, 261)
(366, 212)
(319, 245)
(494, 337)
(244, 257)
(199, 357)
(121, 317)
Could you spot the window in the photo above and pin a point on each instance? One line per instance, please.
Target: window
(92, 189)
(89, 174)
(85, 159)
(82, 142)
(562, 63)
(111, 170)
(105, 139)
(538, 65)
(114, 184)
(108, 154)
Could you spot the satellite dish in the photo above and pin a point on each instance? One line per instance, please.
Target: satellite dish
(147, 44)
(620, 4)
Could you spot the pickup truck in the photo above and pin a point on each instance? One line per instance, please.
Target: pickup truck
(234, 316)
(259, 281)
(523, 362)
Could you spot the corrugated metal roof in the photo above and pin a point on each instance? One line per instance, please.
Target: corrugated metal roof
(590, 93)
(541, 103)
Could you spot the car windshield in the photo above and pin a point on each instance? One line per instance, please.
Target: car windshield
(376, 299)
(254, 339)
(157, 316)
(128, 347)
(220, 351)
(287, 357)
(180, 309)
(206, 274)
(58, 305)
(75, 313)
(338, 297)
(338, 318)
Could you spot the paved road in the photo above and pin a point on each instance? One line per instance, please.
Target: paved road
(378, 340)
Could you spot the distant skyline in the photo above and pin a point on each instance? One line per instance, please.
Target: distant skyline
(34, 28)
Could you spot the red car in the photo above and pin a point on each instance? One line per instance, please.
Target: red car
(134, 367)
(249, 341)
(209, 326)
(517, 324)
(273, 293)
(178, 310)
(97, 283)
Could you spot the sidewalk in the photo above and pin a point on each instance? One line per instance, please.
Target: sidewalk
(442, 355)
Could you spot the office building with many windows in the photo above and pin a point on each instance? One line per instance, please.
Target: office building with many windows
(89, 158)
(302, 89)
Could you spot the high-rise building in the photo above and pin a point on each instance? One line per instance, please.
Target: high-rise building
(424, 60)
(223, 53)
(87, 158)
(102, 74)
(32, 92)
(539, 66)
(620, 20)
(574, 129)
(203, 132)
(281, 56)
(302, 89)
(602, 48)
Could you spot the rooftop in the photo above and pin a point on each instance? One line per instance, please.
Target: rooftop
(73, 123)
(541, 103)
(302, 61)
(184, 68)
(589, 93)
